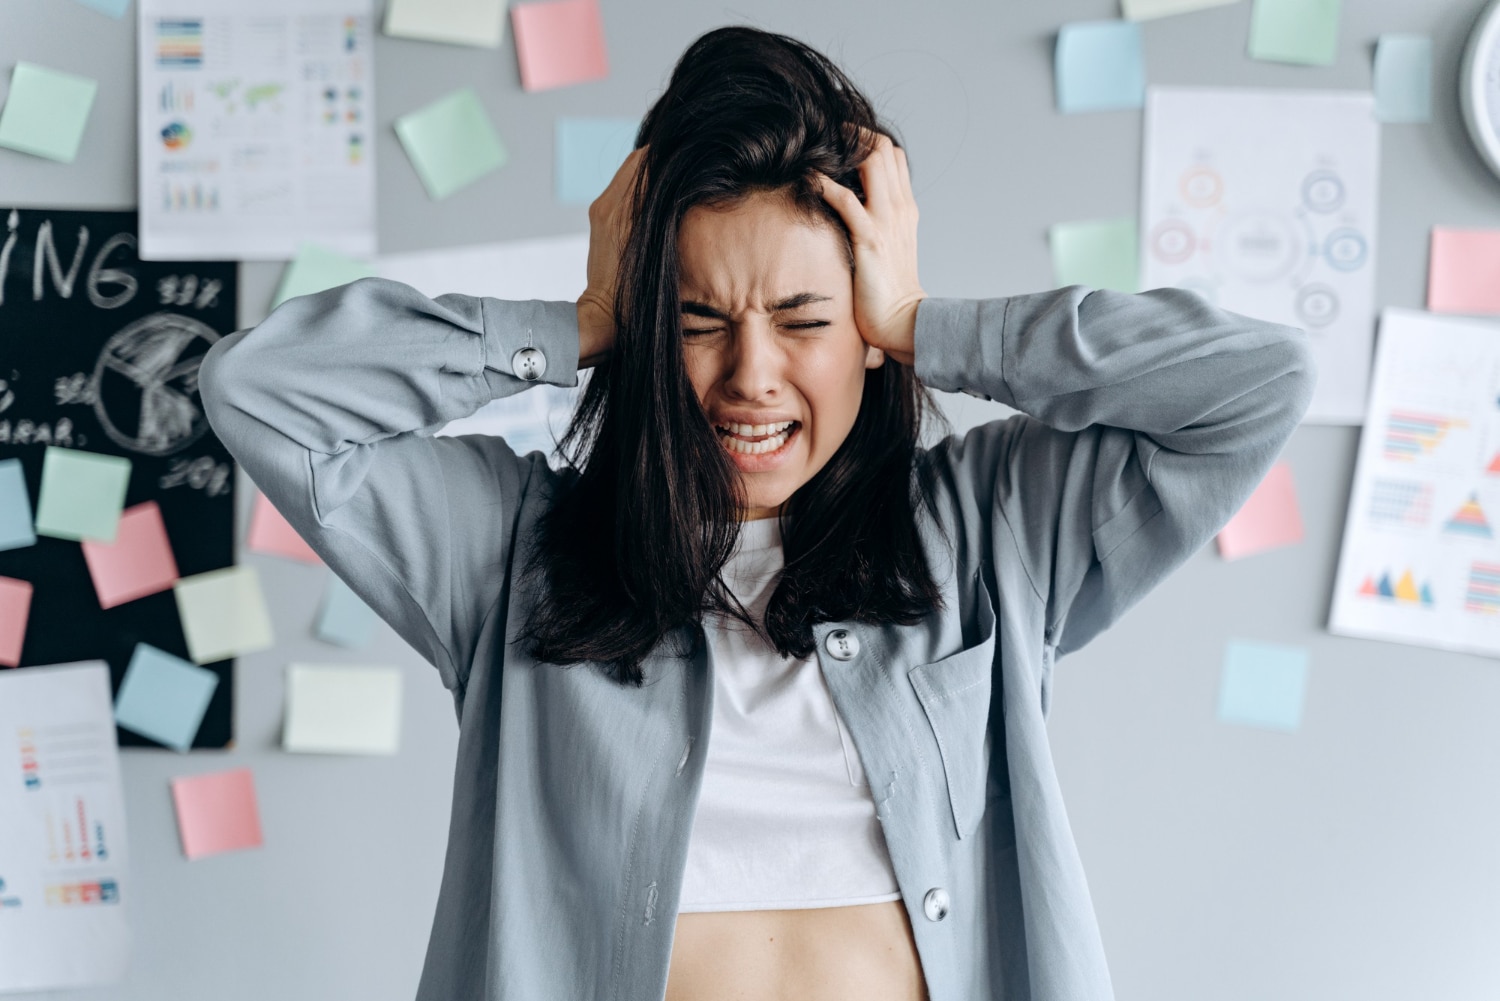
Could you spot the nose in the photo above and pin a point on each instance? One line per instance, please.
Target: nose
(755, 363)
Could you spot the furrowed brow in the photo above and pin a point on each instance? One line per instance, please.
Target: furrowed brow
(799, 300)
(702, 309)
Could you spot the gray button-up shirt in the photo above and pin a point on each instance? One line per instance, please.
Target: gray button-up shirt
(1146, 420)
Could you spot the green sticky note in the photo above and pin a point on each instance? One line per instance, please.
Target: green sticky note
(82, 494)
(317, 268)
(1295, 31)
(450, 142)
(1403, 78)
(1101, 254)
(223, 613)
(46, 112)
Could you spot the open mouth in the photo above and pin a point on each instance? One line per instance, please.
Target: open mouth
(756, 439)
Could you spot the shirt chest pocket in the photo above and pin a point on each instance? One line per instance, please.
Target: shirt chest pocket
(955, 696)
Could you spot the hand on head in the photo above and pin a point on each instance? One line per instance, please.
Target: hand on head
(609, 228)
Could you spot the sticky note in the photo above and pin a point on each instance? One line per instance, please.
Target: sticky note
(1101, 254)
(559, 42)
(114, 8)
(342, 709)
(1403, 78)
(1268, 520)
(589, 152)
(139, 562)
(1263, 685)
(223, 613)
(163, 697)
(15, 507)
(317, 268)
(344, 619)
(15, 609)
(450, 142)
(270, 533)
(458, 22)
(1143, 10)
(1099, 67)
(1463, 271)
(1295, 31)
(216, 812)
(46, 112)
(82, 494)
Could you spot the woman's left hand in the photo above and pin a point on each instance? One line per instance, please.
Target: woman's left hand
(883, 230)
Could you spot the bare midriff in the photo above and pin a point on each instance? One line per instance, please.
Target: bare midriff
(863, 952)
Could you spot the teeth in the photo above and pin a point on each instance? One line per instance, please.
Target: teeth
(756, 430)
(758, 447)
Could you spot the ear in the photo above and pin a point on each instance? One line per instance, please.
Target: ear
(874, 357)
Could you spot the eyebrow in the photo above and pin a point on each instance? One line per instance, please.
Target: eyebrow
(694, 308)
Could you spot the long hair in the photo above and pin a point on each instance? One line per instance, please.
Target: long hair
(633, 547)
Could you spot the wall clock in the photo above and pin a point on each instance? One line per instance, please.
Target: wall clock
(1479, 85)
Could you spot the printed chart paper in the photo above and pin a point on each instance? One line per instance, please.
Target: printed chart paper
(257, 128)
(63, 918)
(1265, 203)
(1420, 561)
(554, 268)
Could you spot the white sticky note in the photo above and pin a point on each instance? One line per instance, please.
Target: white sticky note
(342, 709)
(223, 613)
(1144, 10)
(458, 22)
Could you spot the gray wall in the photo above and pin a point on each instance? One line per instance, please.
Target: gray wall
(1354, 858)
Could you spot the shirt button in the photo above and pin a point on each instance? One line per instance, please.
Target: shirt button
(935, 904)
(841, 644)
(528, 364)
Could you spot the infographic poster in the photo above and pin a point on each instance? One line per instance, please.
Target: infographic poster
(1264, 202)
(257, 128)
(1420, 561)
(63, 882)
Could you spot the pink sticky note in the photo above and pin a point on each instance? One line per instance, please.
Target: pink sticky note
(1269, 519)
(270, 533)
(559, 42)
(217, 812)
(15, 608)
(139, 562)
(1463, 273)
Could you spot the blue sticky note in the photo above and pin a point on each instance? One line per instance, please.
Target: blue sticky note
(589, 152)
(1403, 78)
(1263, 685)
(114, 8)
(1099, 66)
(163, 697)
(15, 507)
(345, 620)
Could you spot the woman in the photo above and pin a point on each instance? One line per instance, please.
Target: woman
(751, 695)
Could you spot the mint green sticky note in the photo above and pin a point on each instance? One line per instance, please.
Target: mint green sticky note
(82, 494)
(1295, 31)
(46, 112)
(1263, 685)
(1403, 78)
(451, 142)
(317, 268)
(1100, 254)
(1098, 66)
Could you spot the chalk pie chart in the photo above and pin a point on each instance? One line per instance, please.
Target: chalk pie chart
(146, 384)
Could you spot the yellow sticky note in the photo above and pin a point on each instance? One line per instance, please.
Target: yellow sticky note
(223, 613)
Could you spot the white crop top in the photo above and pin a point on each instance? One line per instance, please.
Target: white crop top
(785, 818)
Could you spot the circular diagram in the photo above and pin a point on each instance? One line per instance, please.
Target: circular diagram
(1202, 187)
(1346, 250)
(1317, 305)
(146, 384)
(1259, 246)
(1173, 242)
(1323, 192)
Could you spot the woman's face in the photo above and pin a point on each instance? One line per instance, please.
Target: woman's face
(769, 340)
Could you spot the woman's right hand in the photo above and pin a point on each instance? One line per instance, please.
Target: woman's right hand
(609, 227)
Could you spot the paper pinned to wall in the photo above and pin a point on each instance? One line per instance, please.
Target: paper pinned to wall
(164, 697)
(457, 22)
(559, 42)
(82, 494)
(138, 563)
(1142, 10)
(1463, 271)
(46, 112)
(344, 619)
(1099, 254)
(15, 611)
(554, 268)
(450, 142)
(317, 268)
(217, 812)
(1263, 684)
(1419, 561)
(589, 153)
(1270, 519)
(256, 128)
(342, 709)
(272, 534)
(1264, 202)
(223, 613)
(16, 529)
(1098, 66)
(64, 862)
(1403, 78)
(1295, 31)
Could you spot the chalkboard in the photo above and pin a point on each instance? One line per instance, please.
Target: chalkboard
(99, 351)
